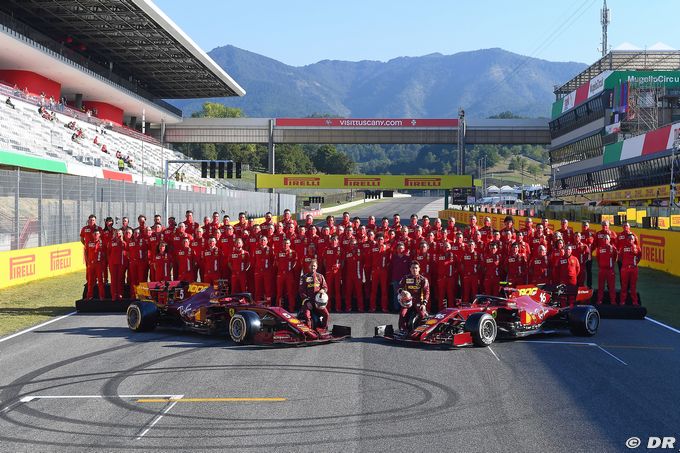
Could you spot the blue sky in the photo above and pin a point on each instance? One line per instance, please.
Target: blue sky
(300, 32)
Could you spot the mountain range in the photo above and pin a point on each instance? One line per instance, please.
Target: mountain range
(483, 82)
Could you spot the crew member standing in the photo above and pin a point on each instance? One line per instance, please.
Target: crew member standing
(286, 275)
(469, 271)
(630, 255)
(606, 257)
(95, 265)
(264, 271)
(382, 257)
(491, 262)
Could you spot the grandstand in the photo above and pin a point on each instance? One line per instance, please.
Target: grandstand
(112, 63)
(613, 128)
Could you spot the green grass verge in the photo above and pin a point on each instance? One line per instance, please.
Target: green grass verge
(32, 303)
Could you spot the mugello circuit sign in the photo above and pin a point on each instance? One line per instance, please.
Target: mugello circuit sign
(376, 123)
(369, 182)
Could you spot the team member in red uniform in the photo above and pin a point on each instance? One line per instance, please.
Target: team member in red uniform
(622, 240)
(607, 255)
(310, 255)
(486, 232)
(569, 268)
(311, 284)
(226, 244)
(458, 247)
(451, 229)
(346, 220)
(354, 277)
(381, 258)
(162, 263)
(198, 245)
(547, 230)
(177, 243)
(210, 259)
(629, 255)
(155, 239)
(424, 258)
(469, 272)
(286, 275)
(189, 223)
(396, 223)
(125, 268)
(214, 225)
(135, 249)
(157, 220)
(239, 264)
(605, 231)
(427, 226)
(538, 239)
(241, 225)
(438, 230)
(264, 271)
(108, 233)
(524, 247)
(323, 242)
(125, 224)
(588, 238)
(277, 238)
(528, 229)
(516, 266)
(413, 223)
(268, 221)
(288, 219)
(141, 223)
(96, 253)
(169, 232)
(539, 267)
(555, 256)
(299, 243)
(346, 239)
(447, 276)
(253, 239)
(509, 226)
(419, 289)
(114, 257)
(143, 265)
(581, 251)
(186, 262)
(332, 259)
(472, 229)
(371, 225)
(367, 260)
(567, 232)
(87, 234)
(491, 270)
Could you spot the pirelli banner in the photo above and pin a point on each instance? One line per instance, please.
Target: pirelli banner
(658, 246)
(369, 182)
(26, 265)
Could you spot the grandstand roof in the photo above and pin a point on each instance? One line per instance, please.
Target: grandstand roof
(619, 60)
(135, 37)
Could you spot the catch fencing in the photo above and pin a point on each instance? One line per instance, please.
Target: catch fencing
(38, 209)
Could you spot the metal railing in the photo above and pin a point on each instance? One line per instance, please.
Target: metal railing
(38, 208)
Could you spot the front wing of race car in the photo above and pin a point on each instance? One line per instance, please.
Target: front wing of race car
(387, 332)
(305, 337)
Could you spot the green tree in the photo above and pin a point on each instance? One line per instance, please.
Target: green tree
(327, 159)
(293, 159)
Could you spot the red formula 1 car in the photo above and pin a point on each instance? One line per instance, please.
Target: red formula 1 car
(525, 310)
(202, 308)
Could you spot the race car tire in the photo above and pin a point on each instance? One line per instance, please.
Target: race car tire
(482, 327)
(412, 320)
(584, 320)
(243, 326)
(142, 316)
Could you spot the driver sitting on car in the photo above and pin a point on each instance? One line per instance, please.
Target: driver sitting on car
(414, 293)
(313, 292)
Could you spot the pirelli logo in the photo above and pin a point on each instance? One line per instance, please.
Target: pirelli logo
(300, 181)
(60, 259)
(362, 182)
(21, 266)
(653, 248)
(423, 182)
